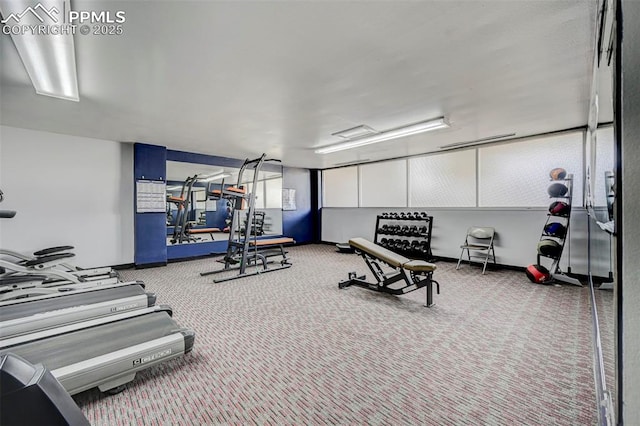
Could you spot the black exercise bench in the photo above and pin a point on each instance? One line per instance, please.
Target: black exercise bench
(410, 274)
(257, 254)
(196, 231)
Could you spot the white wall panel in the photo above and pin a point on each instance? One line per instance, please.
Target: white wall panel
(443, 180)
(68, 190)
(340, 187)
(517, 174)
(384, 184)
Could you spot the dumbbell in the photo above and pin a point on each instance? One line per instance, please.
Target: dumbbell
(423, 230)
(413, 231)
(424, 248)
(402, 215)
(404, 230)
(393, 215)
(384, 242)
(415, 246)
(385, 215)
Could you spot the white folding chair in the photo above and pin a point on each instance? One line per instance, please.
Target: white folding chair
(478, 243)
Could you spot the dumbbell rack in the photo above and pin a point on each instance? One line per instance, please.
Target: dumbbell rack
(411, 235)
(556, 273)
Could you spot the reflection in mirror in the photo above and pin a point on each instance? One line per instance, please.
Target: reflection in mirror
(194, 217)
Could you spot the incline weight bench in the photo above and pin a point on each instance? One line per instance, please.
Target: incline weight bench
(413, 274)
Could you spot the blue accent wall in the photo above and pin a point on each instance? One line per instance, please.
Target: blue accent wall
(150, 163)
(298, 223)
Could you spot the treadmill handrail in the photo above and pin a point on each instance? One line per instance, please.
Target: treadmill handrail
(70, 291)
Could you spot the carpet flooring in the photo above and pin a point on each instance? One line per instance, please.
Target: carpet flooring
(290, 348)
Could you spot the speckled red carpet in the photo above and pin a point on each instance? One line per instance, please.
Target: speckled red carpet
(290, 348)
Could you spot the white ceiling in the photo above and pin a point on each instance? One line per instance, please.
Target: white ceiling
(237, 79)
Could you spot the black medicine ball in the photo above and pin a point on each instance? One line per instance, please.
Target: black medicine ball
(557, 189)
(549, 248)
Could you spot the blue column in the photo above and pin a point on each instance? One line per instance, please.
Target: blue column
(150, 163)
(299, 224)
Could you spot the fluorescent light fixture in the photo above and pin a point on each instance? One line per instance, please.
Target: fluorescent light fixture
(398, 132)
(48, 57)
(477, 141)
(216, 177)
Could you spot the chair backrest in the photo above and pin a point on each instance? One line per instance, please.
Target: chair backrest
(481, 232)
(480, 236)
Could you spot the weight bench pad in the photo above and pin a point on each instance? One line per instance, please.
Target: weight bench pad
(393, 259)
(272, 242)
(202, 230)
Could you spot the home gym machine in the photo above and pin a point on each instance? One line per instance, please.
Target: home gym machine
(244, 248)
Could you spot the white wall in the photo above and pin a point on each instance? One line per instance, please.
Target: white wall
(68, 191)
(517, 231)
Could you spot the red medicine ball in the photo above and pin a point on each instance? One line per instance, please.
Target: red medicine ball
(538, 274)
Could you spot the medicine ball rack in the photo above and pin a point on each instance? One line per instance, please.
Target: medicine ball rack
(414, 230)
(560, 238)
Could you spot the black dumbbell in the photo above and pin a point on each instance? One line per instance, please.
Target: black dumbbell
(404, 230)
(385, 215)
(413, 231)
(384, 242)
(393, 215)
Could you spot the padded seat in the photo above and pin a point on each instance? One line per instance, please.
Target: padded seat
(272, 242)
(419, 266)
(202, 230)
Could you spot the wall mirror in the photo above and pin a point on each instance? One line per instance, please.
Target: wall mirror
(205, 219)
(601, 166)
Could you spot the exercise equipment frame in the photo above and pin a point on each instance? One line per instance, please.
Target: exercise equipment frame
(415, 274)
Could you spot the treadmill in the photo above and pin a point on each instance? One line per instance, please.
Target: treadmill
(105, 352)
(28, 315)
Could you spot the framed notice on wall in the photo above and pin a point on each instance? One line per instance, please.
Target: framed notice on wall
(151, 196)
(288, 199)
